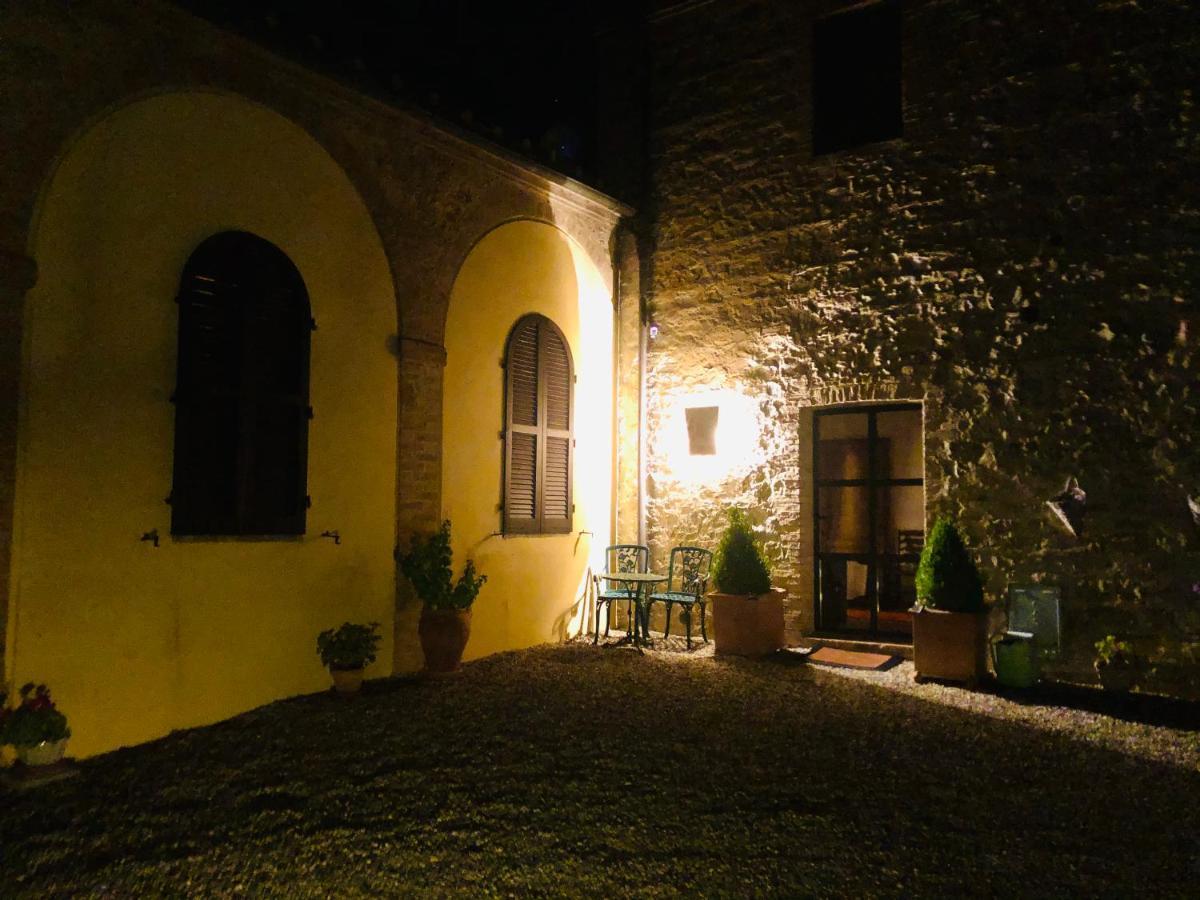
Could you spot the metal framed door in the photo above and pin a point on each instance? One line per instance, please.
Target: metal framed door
(868, 517)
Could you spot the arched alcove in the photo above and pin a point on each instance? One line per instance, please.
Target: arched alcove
(537, 583)
(138, 639)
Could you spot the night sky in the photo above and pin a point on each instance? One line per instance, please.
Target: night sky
(519, 73)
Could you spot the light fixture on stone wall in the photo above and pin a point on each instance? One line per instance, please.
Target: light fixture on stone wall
(1194, 508)
(707, 436)
(702, 429)
(1069, 507)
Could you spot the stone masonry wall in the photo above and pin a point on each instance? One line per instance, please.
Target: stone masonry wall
(1025, 260)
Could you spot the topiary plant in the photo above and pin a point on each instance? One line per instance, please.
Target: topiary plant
(427, 565)
(738, 566)
(947, 578)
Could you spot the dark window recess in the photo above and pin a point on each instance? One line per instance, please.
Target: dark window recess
(241, 394)
(856, 78)
(538, 429)
(702, 429)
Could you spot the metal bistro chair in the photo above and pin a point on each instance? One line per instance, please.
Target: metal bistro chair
(619, 558)
(687, 581)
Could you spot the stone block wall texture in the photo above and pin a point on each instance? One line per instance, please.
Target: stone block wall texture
(1025, 260)
(431, 192)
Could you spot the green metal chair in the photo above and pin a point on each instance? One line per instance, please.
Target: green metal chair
(619, 558)
(687, 582)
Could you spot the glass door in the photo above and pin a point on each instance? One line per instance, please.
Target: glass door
(868, 518)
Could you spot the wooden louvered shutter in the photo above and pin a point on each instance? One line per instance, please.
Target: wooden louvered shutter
(204, 488)
(241, 415)
(538, 433)
(521, 458)
(554, 371)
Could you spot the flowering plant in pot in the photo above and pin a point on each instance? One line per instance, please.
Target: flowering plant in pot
(346, 651)
(1115, 664)
(445, 624)
(949, 621)
(747, 611)
(36, 727)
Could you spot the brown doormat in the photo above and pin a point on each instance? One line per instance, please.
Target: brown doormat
(853, 659)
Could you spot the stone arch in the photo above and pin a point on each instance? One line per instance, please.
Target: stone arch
(537, 585)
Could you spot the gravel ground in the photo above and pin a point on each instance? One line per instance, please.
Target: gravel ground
(582, 771)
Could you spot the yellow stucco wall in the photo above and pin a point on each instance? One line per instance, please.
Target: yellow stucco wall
(537, 584)
(136, 641)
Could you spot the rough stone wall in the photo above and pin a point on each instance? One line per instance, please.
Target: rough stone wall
(431, 192)
(1024, 260)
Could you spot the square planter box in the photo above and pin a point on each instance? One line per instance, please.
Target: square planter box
(747, 625)
(949, 645)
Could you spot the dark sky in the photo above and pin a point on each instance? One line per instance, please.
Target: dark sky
(520, 72)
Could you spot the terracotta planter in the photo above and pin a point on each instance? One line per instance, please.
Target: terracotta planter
(949, 645)
(444, 634)
(347, 681)
(47, 753)
(747, 625)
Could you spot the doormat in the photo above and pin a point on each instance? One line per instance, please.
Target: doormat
(853, 659)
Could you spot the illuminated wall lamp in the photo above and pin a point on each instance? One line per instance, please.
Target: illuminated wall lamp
(702, 429)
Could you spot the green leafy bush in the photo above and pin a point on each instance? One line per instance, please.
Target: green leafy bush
(35, 720)
(738, 566)
(351, 646)
(427, 565)
(947, 578)
(1112, 652)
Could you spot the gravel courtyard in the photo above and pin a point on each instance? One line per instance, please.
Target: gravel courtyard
(575, 770)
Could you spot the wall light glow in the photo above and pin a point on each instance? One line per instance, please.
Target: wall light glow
(736, 440)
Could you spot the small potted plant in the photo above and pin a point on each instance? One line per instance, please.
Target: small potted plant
(1115, 664)
(36, 728)
(949, 621)
(346, 651)
(445, 624)
(747, 611)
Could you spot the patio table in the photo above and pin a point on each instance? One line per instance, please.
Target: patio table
(642, 582)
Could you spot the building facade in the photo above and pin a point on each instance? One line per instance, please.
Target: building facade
(138, 139)
(929, 258)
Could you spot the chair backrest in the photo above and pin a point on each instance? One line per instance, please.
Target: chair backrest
(688, 570)
(626, 557)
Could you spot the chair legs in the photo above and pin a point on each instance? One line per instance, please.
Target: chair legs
(667, 629)
(703, 630)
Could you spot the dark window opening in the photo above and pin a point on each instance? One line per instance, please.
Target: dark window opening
(538, 431)
(702, 430)
(241, 393)
(856, 78)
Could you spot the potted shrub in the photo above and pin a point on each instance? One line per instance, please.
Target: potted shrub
(747, 611)
(445, 622)
(36, 728)
(346, 651)
(949, 621)
(1115, 664)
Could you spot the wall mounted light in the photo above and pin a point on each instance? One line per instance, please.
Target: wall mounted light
(702, 429)
(707, 436)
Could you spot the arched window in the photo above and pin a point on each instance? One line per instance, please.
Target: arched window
(538, 429)
(241, 391)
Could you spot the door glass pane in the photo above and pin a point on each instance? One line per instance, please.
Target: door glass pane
(899, 454)
(842, 452)
(844, 520)
(901, 516)
(844, 604)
